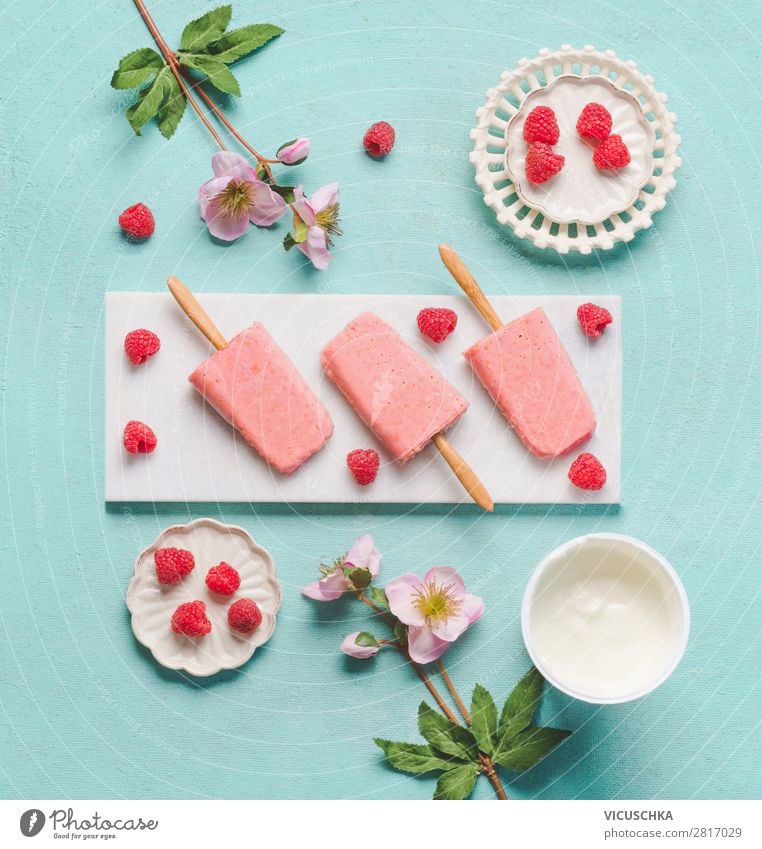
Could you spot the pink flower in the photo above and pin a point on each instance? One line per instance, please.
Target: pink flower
(437, 610)
(334, 583)
(319, 222)
(350, 646)
(294, 152)
(235, 196)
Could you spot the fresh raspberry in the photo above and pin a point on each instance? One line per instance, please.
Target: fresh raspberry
(593, 319)
(140, 345)
(379, 139)
(138, 438)
(363, 463)
(541, 163)
(244, 615)
(137, 221)
(611, 153)
(173, 564)
(437, 323)
(541, 126)
(223, 579)
(587, 472)
(191, 619)
(594, 122)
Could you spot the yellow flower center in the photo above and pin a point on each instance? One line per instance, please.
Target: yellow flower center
(328, 220)
(437, 602)
(235, 199)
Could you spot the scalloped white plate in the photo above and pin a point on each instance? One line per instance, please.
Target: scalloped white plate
(152, 604)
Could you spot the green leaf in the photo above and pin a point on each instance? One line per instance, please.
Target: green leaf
(519, 707)
(530, 746)
(456, 783)
(446, 736)
(400, 632)
(240, 42)
(365, 638)
(136, 68)
(360, 578)
(218, 74)
(172, 107)
(148, 103)
(483, 719)
(411, 757)
(208, 27)
(286, 192)
(378, 596)
(288, 242)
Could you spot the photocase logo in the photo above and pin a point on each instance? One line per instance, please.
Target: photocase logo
(31, 822)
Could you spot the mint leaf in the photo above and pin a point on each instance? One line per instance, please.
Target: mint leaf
(457, 783)
(378, 596)
(483, 718)
(360, 578)
(519, 707)
(411, 757)
(172, 107)
(218, 74)
(365, 638)
(446, 736)
(530, 746)
(208, 27)
(240, 42)
(148, 103)
(136, 68)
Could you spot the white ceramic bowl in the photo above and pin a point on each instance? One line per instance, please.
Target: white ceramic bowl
(605, 618)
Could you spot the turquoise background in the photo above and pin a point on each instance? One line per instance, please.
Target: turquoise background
(86, 713)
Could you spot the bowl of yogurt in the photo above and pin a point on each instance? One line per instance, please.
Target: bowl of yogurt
(605, 618)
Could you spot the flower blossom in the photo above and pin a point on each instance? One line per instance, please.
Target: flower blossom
(334, 583)
(318, 222)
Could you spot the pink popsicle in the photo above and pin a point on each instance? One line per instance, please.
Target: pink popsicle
(529, 375)
(254, 386)
(399, 395)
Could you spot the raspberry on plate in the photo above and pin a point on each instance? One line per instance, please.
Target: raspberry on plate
(191, 620)
(593, 319)
(541, 126)
(437, 323)
(173, 564)
(244, 616)
(379, 139)
(137, 222)
(611, 153)
(594, 122)
(587, 472)
(541, 163)
(363, 463)
(223, 579)
(140, 345)
(138, 438)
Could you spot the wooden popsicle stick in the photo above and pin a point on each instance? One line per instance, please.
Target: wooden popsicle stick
(195, 312)
(464, 279)
(464, 473)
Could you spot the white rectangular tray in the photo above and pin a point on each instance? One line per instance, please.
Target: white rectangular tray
(201, 458)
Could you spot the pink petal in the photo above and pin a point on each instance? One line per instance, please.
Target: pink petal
(328, 588)
(209, 191)
(267, 206)
(401, 594)
(423, 646)
(303, 208)
(364, 555)
(452, 627)
(225, 227)
(316, 249)
(325, 196)
(294, 153)
(225, 163)
(473, 607)
(444, 576)
(350, 647)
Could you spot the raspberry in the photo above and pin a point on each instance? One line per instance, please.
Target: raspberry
(173, 564)
(437, 323)
(611, 153)
(541, 163)
(244, 615)
(191, 619)
(541, 126)
(223, 579)
(363, 463)
(137, 221)
(379, 139)
(587, 472)
(593, 319)
(140, 345)
(138, 438)
(594, 122)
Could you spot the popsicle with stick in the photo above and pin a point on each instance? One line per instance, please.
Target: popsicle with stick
(255, 387)
(399, 395)
(527, 371)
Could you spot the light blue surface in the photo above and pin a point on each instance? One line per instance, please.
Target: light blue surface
(84, 711)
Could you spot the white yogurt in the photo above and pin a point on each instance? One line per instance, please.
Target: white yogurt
(605, 618)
